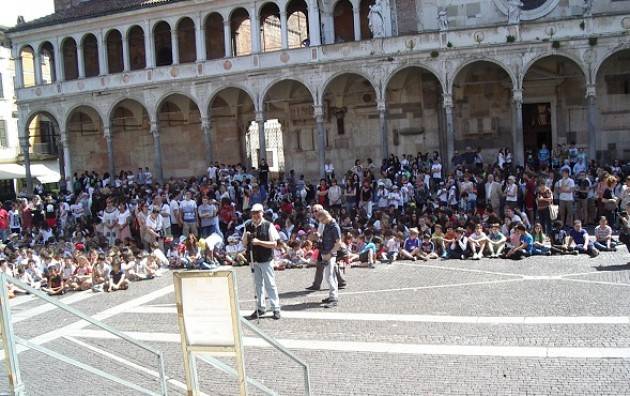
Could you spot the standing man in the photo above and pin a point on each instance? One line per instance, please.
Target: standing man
(261, 238)
(4, 223)
(188, 212)
(564, 190)
(319, 271)
(331, 241)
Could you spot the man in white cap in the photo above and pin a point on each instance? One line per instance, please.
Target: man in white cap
(261, 238)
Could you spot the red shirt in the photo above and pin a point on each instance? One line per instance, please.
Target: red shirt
(4, 219)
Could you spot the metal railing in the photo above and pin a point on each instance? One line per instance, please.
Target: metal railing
(16, 386)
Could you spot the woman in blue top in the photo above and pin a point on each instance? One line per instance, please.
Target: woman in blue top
(411, 246)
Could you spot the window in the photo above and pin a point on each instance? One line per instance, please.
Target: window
(4, 140)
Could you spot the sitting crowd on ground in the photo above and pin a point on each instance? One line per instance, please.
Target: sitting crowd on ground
(107, 230)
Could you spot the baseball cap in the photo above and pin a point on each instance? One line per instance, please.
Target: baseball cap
(257, 208)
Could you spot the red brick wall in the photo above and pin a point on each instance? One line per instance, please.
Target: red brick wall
(406, 15)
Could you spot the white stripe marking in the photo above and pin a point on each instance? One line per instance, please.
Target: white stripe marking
(126, 362)
(46, 307)
(623, 320)
(391, 348)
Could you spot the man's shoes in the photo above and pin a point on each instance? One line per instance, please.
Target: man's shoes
(313, 288)
(326, 300)
(276, 315)
(255, 315)
(331, 304)
(343, 286)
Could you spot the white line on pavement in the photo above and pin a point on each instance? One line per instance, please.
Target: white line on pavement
(40, 309)
(391, 348)
(597, 282)
(560, 320)
(116, 358)
(417, 264)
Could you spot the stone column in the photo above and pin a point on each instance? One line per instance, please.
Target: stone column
(206, 126)
(38, 68)
(59, 73)
(126, 55)
(517, 138)
(262, 144)
(175, 46)
(321, 137)
(284, 30)
(592, 119)
(80, 61)
(19, 73)
(382, 118)
(227, 38)
(314, 28)
(110, 150)
(200, 40)
(255, 24)
(158, 151)
(148, 47)
(25, 145)
(103, 66)
(357, 23)
(67, 160)
(450, 131)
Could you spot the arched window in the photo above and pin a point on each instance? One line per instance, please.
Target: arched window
(47, 60)
(186, 41)
(344, 21)
(163, 45)
(28, 66)
(115, 61)
(271, 37)
(137, 54)
(70, 60)
(90, 55)
(297, 23)
(215, 43)
(241, 32)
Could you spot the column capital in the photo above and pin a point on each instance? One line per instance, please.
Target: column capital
(206, 123)
(107, 132)
(318, 113)
(155, 131)
(381, 106)
(517, 95)
(447, 101)
(260, 116)
(591, 90)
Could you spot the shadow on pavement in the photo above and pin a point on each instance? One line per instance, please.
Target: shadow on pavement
(620, 267)
(301, 306)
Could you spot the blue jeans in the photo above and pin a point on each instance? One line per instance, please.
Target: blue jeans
(206, 231)
(4, 235)
(265, 277)
(540, 250)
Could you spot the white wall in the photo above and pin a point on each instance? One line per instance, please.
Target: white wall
(8, 106)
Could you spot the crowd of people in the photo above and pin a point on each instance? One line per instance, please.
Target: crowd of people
(108, 230)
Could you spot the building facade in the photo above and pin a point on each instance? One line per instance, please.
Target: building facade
(175, 84)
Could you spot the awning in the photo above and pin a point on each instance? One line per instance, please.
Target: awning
(12, 171)
(45, 172)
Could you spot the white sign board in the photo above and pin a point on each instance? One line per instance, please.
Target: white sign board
(207, 311)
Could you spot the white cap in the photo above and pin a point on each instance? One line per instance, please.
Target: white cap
(257, 208)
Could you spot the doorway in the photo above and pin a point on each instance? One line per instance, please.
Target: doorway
(537, 128)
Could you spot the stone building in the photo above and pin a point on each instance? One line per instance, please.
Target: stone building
(175, 84)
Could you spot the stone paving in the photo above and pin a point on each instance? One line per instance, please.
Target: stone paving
(541, 326)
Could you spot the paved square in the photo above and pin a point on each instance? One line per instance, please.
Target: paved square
(549, 326)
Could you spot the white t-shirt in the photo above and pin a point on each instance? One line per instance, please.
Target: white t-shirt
(174, 207)
(436, 170)
(189, 210)
(511, 192)
(563, 184)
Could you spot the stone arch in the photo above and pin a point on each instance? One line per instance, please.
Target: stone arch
(162, 43)
(47, 57)
(240, 28)
(351, 120)
(179, 123)
(87, 145)
(458, 70)
(231, 110)
(252, 95)
(171, 93)
(186, 40)
(43, 129)
(214, 32)
(132, 142)
(27, 58)
(115, 57)
(611, 53)
(265, 91)
(70, 59)
(343, 21)
(89, 42)
(137, 47)
(413, 96)
(564, 55)
(332, 77)
(423, 66)
(297, 23)
(270, 31)
(482, 92)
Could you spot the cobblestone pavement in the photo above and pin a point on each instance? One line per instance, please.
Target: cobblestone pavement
(542, 326)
